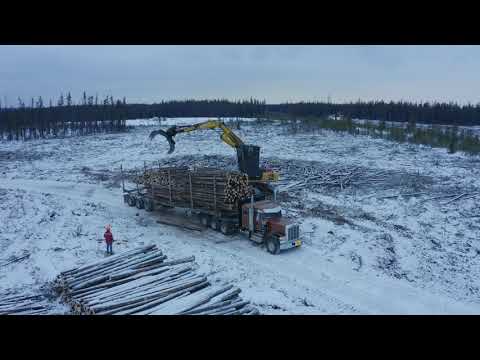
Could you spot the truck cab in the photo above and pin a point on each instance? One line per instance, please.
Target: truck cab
(264, 222)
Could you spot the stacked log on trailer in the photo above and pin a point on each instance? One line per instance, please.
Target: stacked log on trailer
(142, 282)
(203, 188)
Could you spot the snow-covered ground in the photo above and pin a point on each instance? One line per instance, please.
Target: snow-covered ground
(395, 256)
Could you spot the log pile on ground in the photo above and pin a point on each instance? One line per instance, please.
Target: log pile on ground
(209, 188)
(13, 304)
(142, 282)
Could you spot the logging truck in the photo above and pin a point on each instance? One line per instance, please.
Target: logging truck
(207, 194)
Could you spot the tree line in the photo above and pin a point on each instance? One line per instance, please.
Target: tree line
(426, 112)
(251, 108)
(451, 138)
(66, 118)
(93, 115)
(90, 114)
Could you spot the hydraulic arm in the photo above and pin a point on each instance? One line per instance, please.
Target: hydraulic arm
(248, 156)
(227, 135)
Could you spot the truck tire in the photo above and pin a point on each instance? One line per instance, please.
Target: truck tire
(149, 205)
(273, 245)
(205, 220)
(226, 228)
(126, 198)
(140, 203)
(131, 200)
(215, 224)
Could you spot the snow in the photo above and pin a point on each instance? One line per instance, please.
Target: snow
(393, 256)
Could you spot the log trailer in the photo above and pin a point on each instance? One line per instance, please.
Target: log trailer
(253, 215)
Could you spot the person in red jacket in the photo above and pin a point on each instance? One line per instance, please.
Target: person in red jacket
(108, 239)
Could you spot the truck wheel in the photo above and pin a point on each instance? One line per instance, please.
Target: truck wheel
(225, 228)
(131, 200)
(126, 198)
(149, 205)
(214, 224)
(205, 220)
(140, 203)
(273, 245)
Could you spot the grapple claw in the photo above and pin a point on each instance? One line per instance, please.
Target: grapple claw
(167, 135)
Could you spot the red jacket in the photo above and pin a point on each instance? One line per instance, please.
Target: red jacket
(108, 237)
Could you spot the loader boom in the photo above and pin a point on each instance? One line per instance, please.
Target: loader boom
(228, 136)
(247, 155)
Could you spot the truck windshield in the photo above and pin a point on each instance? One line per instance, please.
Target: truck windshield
(272, 215)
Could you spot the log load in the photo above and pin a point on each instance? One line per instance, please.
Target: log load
(142, 282)
(24, 304)
(201, 188)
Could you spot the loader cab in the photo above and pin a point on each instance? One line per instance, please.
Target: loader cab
(248, 157)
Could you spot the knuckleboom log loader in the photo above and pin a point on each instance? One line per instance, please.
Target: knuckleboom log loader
(255, 215)
(248, 156)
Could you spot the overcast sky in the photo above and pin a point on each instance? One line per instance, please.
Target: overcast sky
(274, 73)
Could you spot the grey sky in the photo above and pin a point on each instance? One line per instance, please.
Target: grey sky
(274, 73)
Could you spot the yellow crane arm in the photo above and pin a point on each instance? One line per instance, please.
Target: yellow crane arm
(228, 136)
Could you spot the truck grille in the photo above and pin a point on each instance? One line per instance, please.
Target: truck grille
(293, 232)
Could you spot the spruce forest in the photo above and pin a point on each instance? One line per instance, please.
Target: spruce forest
(90, 115)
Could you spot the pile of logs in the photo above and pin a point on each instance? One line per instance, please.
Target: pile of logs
(209, 188)
(24, 304)
(142, 282)
(163, 176)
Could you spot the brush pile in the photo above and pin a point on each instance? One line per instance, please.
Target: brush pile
(205, 188)
(318, 176)
(142, 282)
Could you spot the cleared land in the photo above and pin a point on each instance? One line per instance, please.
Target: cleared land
(367, 250)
